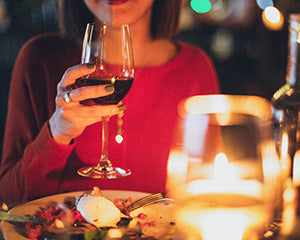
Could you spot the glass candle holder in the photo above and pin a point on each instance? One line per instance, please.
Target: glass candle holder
(223, 170)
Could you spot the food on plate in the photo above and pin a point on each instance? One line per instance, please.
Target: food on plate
(58, 217)
(98, 211)
(92, 216)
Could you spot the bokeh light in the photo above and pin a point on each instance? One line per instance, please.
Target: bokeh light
(272, 18)
(263, 4)
(200, 6)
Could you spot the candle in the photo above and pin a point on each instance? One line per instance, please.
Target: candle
(223, 216)
(216, 198)
(222, 207)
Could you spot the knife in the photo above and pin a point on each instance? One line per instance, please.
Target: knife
(7, 217)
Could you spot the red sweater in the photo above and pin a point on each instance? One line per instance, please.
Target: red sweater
(34, 165)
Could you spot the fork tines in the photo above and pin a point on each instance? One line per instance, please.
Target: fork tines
(143, 201)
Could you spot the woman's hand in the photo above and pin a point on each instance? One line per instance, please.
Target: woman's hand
(70, 117)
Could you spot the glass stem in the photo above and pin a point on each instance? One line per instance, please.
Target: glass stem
(104, 162)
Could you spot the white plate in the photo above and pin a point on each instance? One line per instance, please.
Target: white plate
(160, 212)
(30, 208)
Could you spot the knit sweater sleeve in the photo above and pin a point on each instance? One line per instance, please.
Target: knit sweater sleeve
(29, 153)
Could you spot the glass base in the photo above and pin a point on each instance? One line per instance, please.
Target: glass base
(103, 172)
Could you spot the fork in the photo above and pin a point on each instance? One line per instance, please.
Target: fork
(143, 201)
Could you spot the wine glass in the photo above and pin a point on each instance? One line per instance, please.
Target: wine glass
(223, 170)
(110, 48)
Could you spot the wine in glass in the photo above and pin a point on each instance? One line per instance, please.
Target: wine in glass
(110, 48)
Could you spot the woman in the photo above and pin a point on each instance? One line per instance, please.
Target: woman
(48, 138)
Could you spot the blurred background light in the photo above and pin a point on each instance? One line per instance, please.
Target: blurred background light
(4, 18)
(272, 14)
(263, 4)
(272, 18)
(200, 6)
(222, 45)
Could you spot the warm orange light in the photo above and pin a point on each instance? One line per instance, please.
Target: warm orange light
(177, 169)
(224, 119)
(223, 171)
(296, 169)
(4, 207)
(234, 219)
(114, 233)
(272, 18)
(284, 145)
(59, 223)
(222, 103)
(113, 80)
(289, 209)
(285, 158)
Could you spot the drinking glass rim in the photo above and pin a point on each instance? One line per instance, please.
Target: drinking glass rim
(226, 103)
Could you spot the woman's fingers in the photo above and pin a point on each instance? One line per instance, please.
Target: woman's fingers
(83, 93)
(89, 92)
(83, 116)
(75, 72)
(70, 94)
(69, 121)
(71, 117)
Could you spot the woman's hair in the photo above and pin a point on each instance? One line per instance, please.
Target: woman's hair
(73, 16)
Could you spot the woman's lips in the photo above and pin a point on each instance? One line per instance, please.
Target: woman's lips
(115, 2)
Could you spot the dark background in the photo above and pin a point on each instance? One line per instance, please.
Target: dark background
(249, 58)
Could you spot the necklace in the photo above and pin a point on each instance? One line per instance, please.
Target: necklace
(119, 134)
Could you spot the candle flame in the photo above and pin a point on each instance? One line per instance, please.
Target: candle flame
(223, 171)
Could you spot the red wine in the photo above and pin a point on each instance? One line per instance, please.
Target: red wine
(122, 86)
